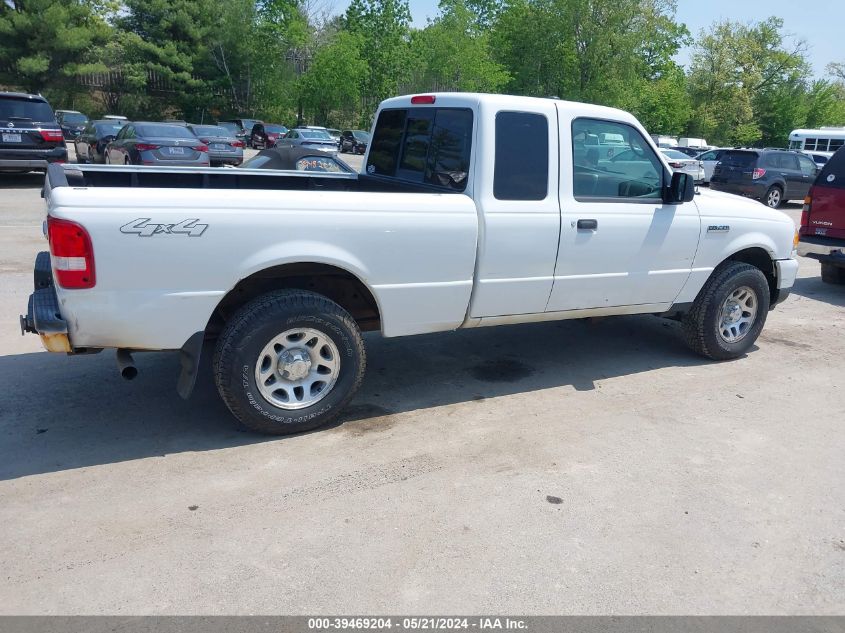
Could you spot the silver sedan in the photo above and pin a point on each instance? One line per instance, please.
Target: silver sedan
(679, 161)
(308, 139)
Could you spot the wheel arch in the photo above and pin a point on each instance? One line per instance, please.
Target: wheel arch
(760, 258)
(330, 280)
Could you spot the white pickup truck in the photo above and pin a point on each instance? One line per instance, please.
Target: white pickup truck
(471, 210)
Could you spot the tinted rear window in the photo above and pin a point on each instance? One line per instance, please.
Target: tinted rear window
(424, 145)
(164, 131)
(12, 108)
(739, 159)
(275, 129)
(521, 171)
(317, 135)
(833, 173)
(212, 130)
(108, 128)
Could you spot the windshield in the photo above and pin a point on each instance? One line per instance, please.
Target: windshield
(166, 131)
(74, 117)
(250, 123)
(212, 130)
(12, 108)
(315, 134)
(360, 135)
(108, 128)
(671, 153)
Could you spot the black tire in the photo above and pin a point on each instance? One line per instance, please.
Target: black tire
(774, 197)
(701, 323)
(833, 274)
(254, 326)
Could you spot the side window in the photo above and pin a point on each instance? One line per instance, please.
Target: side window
(790, 161)
(810, 143)
(626, 170)
(808, 167)
(708, 156)
(835, 144)
(821, 144)
(522, 156)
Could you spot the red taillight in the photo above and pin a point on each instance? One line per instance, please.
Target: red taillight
(201, 148)
(73, 255)
(422, 99)
(53, 136)
(758, 173)
(145, 147)
(237, 143)
(805, 211)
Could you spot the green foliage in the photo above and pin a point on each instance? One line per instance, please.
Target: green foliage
(281, 59)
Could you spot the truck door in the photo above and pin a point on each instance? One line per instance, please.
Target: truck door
(519, 211)
(620, 244)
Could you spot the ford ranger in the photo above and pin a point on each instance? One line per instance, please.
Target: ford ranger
(471, 210)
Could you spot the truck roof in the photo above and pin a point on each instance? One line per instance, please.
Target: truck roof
(458, 99)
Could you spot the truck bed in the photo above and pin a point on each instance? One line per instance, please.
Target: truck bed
(71, 175)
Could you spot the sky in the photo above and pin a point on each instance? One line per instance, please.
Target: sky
(819, 22)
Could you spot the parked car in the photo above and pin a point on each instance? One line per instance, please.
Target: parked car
(692, 152)
(312, 137)
(30, 138)
(241, 127)
(819, 158)
(164, 144)
(288, 273)
(696, 143)
(334, 133)
(298, 159)
(708, 160)
(224, 148)
(71, 121)
(265, 135)
(679, 161)
(823, 220)
(91, 144)
(115, 117)
(661, 140)
(354, 141)
(770, 176)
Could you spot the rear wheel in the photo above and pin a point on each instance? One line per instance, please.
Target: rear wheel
(729, 312)
(288, 362)
(774, 197)
(833, 274)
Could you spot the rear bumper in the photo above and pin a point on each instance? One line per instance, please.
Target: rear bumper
(43, 315)
(827, 250)
(31, 158)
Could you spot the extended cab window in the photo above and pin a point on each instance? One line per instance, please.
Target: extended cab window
(423, 145)
(522, 156)
(613, 160)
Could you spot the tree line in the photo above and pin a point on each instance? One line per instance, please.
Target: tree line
(293, 61)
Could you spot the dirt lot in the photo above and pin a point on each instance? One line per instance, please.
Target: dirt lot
(575, 467)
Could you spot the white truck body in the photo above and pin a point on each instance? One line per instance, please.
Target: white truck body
(432, 260)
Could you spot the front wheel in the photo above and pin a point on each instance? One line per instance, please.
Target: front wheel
(289, 361)
(729, 312)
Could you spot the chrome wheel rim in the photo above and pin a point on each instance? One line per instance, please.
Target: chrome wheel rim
(739, 311)
(297, 368)
(773, 198)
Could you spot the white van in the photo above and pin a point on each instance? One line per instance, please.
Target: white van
(693, 142)
(661, 140)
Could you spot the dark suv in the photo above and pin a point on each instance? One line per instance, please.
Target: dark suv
(30, 138)
(768, 175)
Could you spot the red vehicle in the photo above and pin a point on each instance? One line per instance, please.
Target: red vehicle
(823, 220)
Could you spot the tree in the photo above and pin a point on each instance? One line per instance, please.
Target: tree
(334, 79)
(46, 44)
(453, 53)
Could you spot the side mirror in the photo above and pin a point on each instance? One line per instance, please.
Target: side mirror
(681, 189)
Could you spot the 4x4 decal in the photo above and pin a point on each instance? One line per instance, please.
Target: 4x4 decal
(142, 228)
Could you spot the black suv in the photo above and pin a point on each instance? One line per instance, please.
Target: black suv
(30, 138)
(768, 175)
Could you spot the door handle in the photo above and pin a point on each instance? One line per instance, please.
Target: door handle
(589, 225)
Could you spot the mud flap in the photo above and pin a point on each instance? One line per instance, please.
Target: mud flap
(189, 358)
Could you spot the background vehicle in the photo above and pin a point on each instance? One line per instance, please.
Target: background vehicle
(819, 158)
(708, 161)
(298, 159)
(699, 143)
(823, 220)
(692, 152)
(315, 138)
(824, 139)
(71, 121)
(679, 161)
(473, 210)
(770, 176)
(91, 144)
(265, 135)
(241, 127)
(661, 140)
(146, 143)
(355, 141)
(223, 147)
(115, 117)
(334, 133)
(30, 138)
